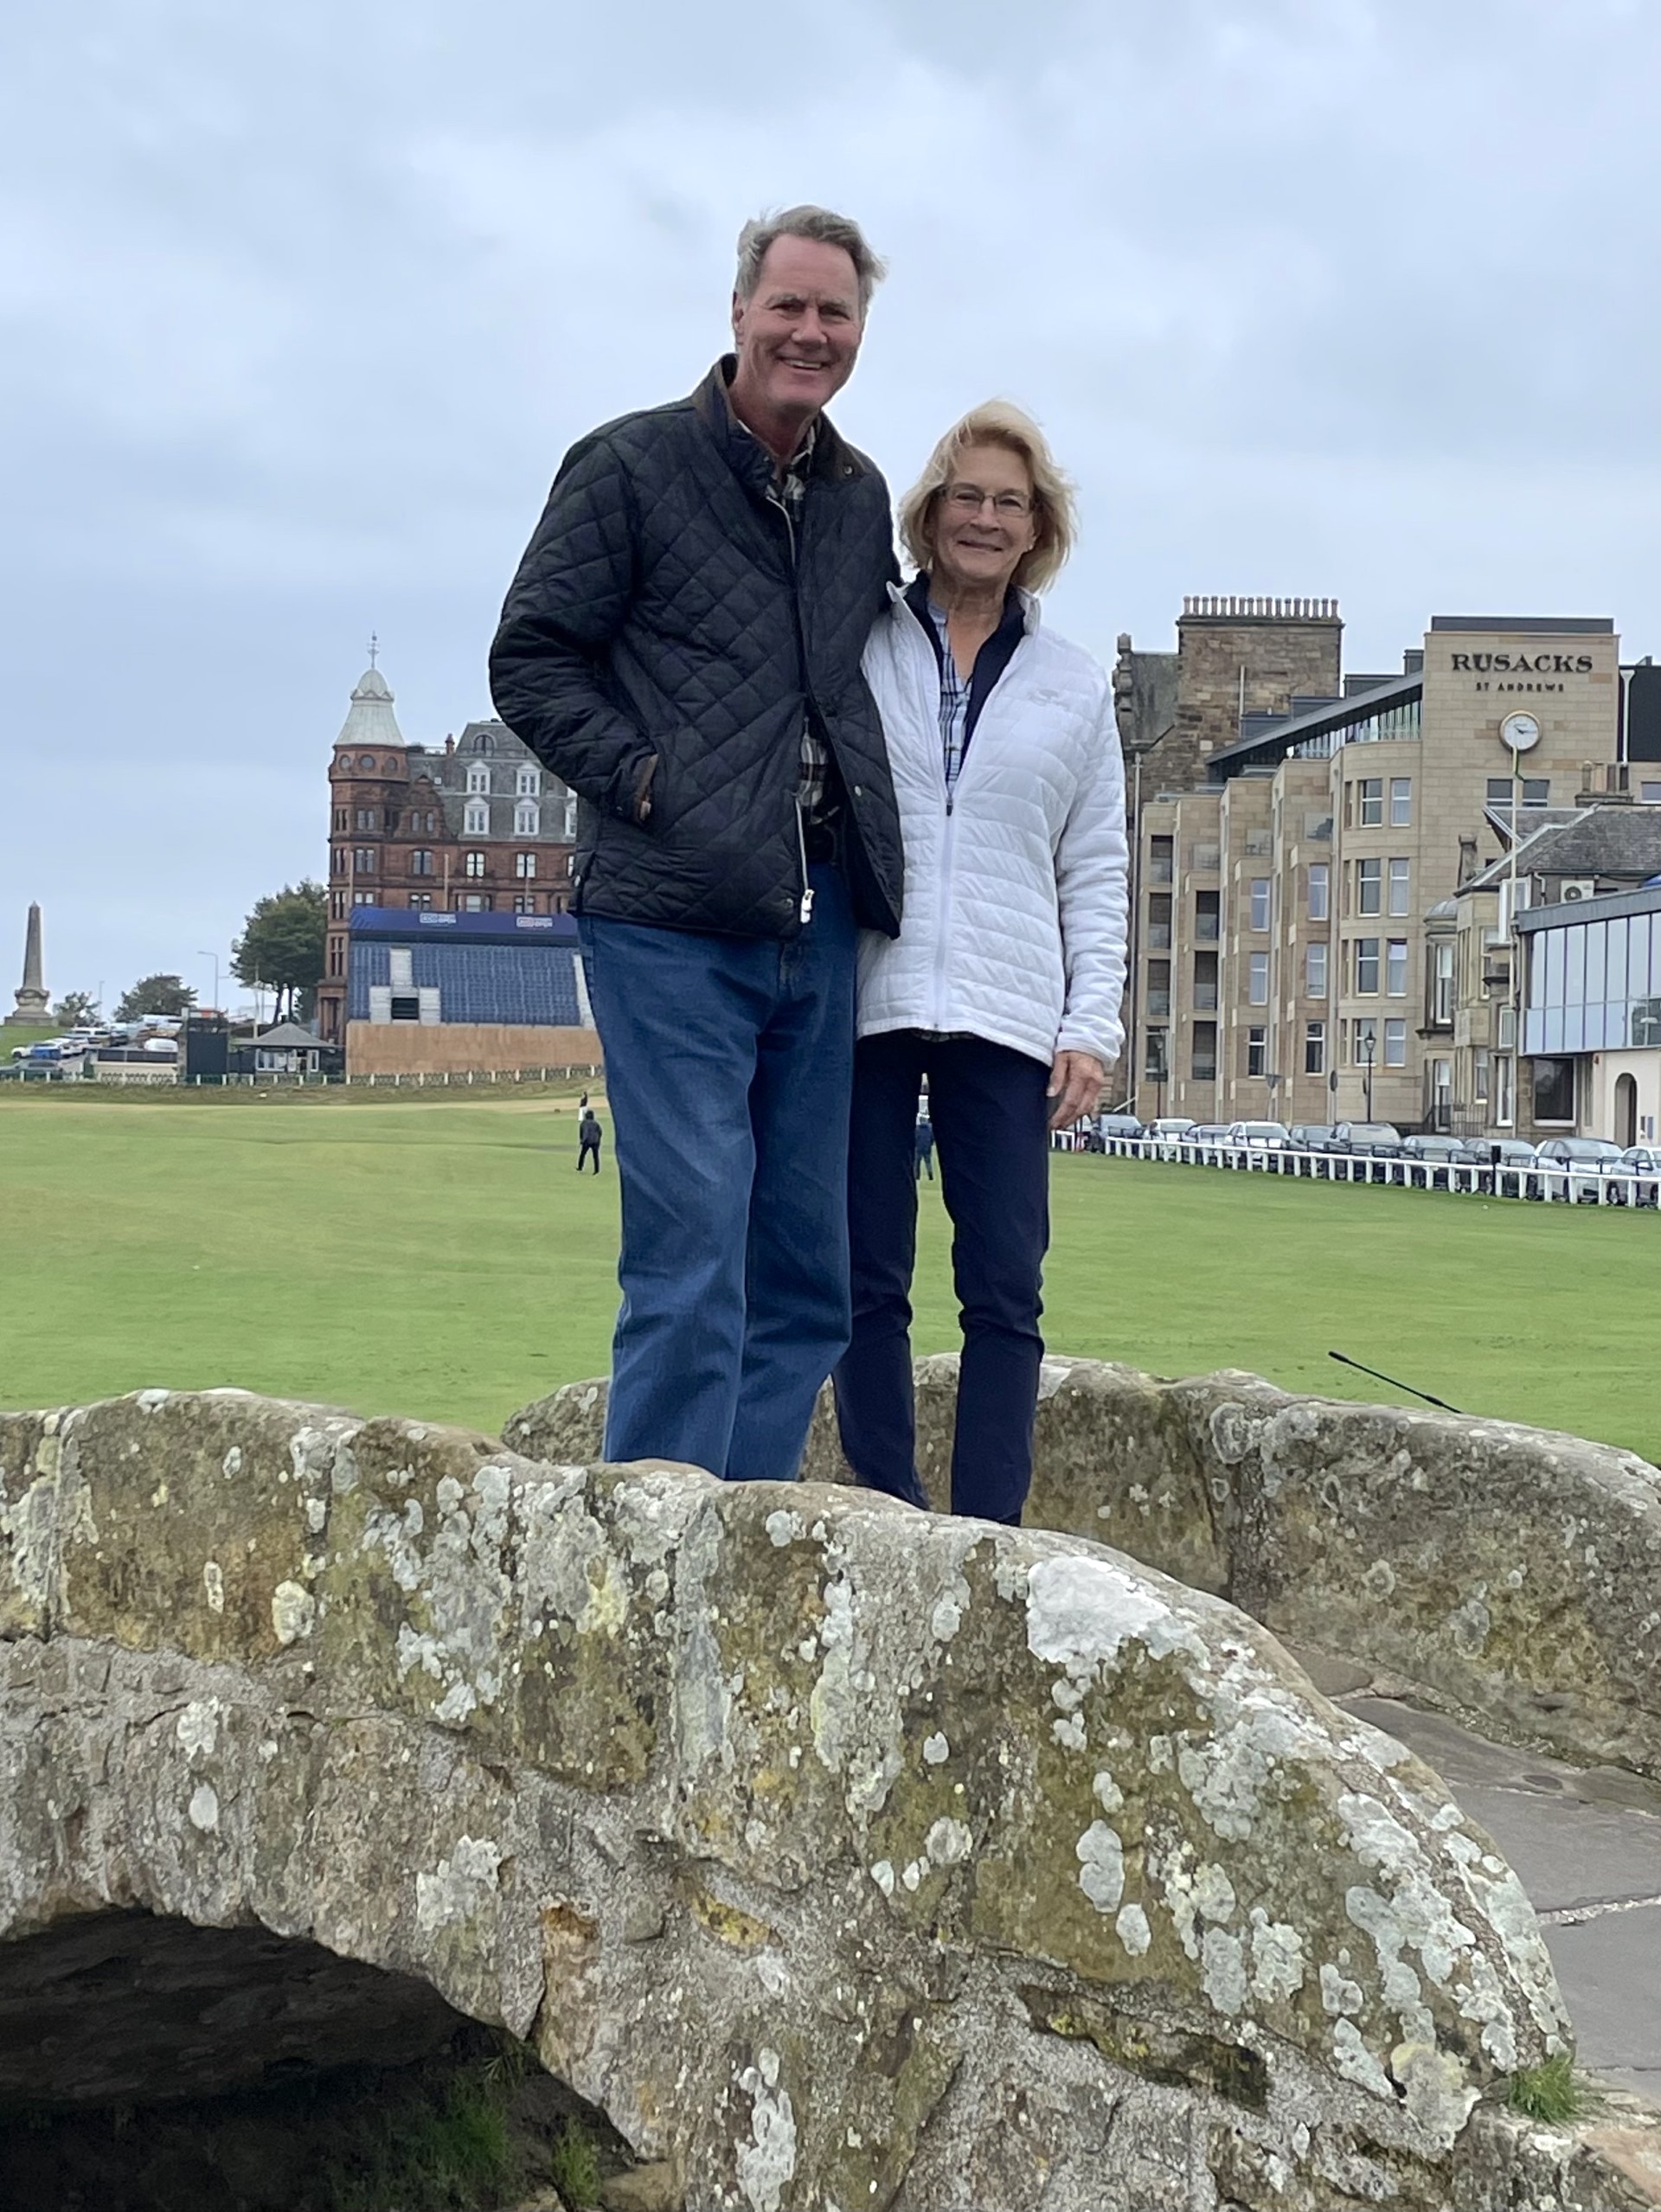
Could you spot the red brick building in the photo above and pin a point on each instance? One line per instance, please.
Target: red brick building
(477, 825)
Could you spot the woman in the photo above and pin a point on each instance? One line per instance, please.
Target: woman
(1004, 985)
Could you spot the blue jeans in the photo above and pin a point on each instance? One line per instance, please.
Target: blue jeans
(728, 1063)
(991, 1120)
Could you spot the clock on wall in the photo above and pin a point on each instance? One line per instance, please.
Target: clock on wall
(1521, 732)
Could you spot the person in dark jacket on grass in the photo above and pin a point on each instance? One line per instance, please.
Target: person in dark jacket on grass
(681, 645)
(589, 1136)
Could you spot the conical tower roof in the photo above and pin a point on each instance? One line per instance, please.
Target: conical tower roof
(370, 720)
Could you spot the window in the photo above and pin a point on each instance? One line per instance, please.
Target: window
(482, 742)
(1208, 917)
(525, 902)
(1401, 801)
(527, 819)
(1369, 886)
(1650, 793)
(476, 902)
(1370, 792)
(364, 859)
(337, 860)
(478, 779)
(363, 897)
(1154, 1061)
(474, 864)
(1320, 878)
(336, 956)
(1315, 1048)
(337, 904)
(1257, 1052)
(1205, 981)
(1504, 1090)
(420, 863)
(527, 782)
(1396, 967)
(364, 818)
(1259, 902)
(1159, 987)
(1315, 971)
(524, 864)
(1366, 966)
(1553, 1090)
(340, 818)
(1366, 1042)
(475, 821)
(1159, 921)
(1161, 859)
(1480, 1076)
(421, 901)
(406, 1006)
(1396, 1044)
(1442, 986)
(1256, 985)
(1536, 790)
(1204, 1064)
(1401, 886)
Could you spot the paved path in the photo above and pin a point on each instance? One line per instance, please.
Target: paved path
(1586, 1845)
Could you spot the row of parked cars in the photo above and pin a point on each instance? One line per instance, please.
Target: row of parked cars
(1381, 1140)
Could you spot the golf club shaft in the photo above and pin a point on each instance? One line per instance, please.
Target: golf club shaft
(1442, 1403)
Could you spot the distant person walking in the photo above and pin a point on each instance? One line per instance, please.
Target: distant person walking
(924, 1158)
(589, 1134)
(1003, 989)
(681, 645)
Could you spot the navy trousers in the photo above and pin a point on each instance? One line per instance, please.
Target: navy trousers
(990, 1119)
(728, 1066)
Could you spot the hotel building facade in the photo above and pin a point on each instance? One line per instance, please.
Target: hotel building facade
(1300, 838)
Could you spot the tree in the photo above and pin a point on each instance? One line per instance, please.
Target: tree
(155, 995)
(73, 1008)
(282, 943)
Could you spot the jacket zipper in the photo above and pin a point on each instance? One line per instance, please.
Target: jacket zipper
(943, 935)
(805, 902)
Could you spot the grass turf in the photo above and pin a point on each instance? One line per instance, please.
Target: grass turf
(440, 1258)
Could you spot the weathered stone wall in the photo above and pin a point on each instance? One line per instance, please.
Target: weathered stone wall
(842, 1855)
(1512, 1574)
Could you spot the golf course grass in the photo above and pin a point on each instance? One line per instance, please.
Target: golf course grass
(440, 1258)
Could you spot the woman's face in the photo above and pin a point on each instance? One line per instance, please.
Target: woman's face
(983, 519)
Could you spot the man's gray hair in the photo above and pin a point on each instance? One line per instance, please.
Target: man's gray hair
(825, 228)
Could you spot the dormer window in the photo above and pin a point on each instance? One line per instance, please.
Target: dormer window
(525, 816)
(478, 779)
(478, 822)
(527, 783)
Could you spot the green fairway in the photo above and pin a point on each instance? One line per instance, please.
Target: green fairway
(442, 1260)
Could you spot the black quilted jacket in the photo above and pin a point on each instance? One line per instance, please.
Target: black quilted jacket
(658, 639)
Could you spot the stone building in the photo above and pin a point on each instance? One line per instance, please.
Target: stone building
(1289, 961)
(477, 825)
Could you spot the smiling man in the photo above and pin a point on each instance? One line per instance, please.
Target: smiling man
(682, 646)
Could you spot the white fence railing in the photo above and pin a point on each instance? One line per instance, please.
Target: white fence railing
(1555, 1183)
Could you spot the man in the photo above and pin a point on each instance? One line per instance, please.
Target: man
(925, 1148)
(682, 646)
(588, 1136)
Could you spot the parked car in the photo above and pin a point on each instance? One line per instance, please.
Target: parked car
(1170, 1125)
(1206, 1132)
(1643, 1159)
(1376, 1140)
(1311, 1136)
(1257, 1136)
(1579, 1152)
(1440, 1148)
(1118, 1124)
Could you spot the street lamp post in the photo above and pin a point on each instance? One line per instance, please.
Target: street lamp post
(1368, 1046)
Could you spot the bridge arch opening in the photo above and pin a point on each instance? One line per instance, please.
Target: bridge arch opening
(147, 2064)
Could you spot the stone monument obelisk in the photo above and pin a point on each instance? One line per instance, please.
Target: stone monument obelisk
(33, 1004)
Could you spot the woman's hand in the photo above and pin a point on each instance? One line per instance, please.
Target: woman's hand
(1076, 1082)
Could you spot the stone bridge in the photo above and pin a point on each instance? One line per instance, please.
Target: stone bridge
(842, 1857)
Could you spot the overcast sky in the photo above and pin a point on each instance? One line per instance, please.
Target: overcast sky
(299, 306)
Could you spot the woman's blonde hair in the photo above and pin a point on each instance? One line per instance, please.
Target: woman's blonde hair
(997, 422)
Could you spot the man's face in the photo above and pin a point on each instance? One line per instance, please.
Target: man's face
(797, 335)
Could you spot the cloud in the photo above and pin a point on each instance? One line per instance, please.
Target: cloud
(298, 309)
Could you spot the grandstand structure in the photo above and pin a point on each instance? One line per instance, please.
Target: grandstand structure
(431, 993)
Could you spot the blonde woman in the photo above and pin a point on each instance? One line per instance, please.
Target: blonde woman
(1003, 987)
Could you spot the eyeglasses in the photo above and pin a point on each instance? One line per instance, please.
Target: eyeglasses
(969, 499)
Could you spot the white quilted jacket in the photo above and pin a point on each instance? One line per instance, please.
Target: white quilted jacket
(1016, 909)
